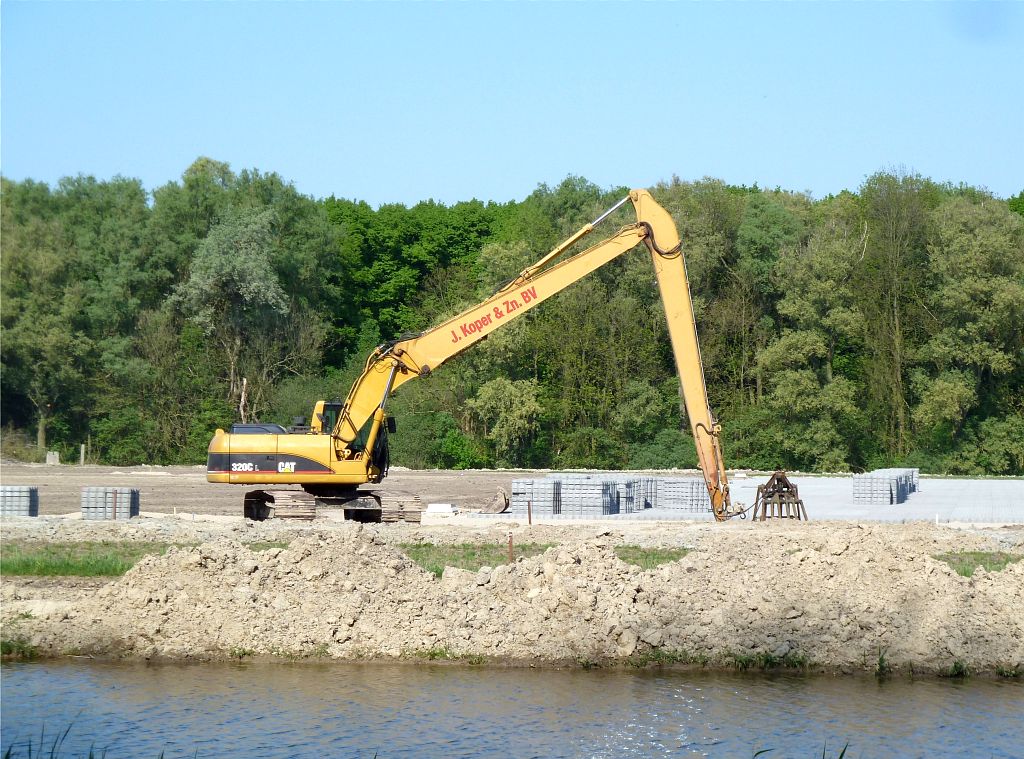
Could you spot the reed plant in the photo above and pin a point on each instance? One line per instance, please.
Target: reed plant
(50, 747)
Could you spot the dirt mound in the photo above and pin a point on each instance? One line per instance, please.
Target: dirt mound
(829, 594)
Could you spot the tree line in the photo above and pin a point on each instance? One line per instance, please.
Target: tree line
(870, 328)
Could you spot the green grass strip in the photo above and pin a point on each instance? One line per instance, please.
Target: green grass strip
(435, 558)
(649, 558)
(79, 559)
(471, 556)
(964, 563)
(108, 558)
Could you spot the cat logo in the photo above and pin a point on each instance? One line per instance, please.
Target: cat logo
(286, 467)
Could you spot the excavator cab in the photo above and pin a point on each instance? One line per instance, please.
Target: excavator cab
(325, 417)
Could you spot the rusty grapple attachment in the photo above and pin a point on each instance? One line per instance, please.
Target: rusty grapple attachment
(778, 499)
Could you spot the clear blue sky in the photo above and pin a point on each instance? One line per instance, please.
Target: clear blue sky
(401, 102)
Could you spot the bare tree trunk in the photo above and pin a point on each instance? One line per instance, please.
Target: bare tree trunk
(241, 401)
(898, 397)
(41, 429)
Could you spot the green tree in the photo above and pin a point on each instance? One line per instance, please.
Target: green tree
(1016, 203)
(810, 369)
(508, 411)
(232, 292)
(47, 359)
(896, 208)
(972, 357)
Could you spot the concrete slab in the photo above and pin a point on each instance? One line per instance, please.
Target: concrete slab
(947, 500)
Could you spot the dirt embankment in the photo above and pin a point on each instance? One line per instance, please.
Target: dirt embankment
(832, 594)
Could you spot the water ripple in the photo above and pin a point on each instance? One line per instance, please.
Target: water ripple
(300, 710)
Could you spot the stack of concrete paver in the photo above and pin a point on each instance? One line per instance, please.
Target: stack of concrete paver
(573, 496)
(619, 492)
(539, 495)
(683, 494)
(647, 494)
(885, 486)
(19, 501)
(588, 497)
(584, 495)
(110, 503)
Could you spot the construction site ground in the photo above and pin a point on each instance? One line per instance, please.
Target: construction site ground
(845, 592)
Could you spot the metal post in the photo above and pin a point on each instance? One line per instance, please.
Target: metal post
(511, 550)
(81, 454)
(529, 512)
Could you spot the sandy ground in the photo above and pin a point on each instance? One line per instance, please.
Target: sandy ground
(834, 593)
(164, 489)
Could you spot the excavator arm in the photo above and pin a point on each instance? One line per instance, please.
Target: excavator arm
(395, 363)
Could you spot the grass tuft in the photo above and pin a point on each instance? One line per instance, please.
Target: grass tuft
(649, 558)
(660, 657)
(18, 648)
(742, 662)
(956, 670)
(434, 558)
(765, 660)
(446, 653)
(882, 667)
(1011, 672)
(964, 563)
(286, 653)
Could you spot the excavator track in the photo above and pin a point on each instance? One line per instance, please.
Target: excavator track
(372, 506)
(398, 506)
(279, 504)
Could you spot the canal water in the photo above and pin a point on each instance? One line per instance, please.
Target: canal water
(383, 710)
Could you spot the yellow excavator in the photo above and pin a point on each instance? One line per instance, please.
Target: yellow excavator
(345, 445)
